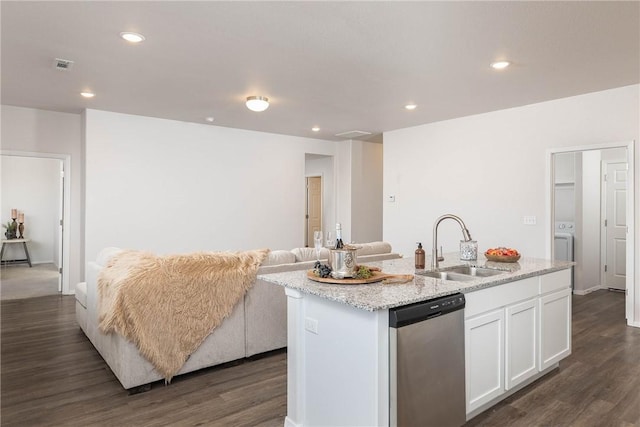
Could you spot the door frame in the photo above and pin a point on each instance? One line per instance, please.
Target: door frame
(632, 303)
(66, 203)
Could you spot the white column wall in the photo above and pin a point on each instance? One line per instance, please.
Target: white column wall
(366, 195)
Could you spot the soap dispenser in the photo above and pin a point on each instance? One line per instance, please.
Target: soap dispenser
(419, 257)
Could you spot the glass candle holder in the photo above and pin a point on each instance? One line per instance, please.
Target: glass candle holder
(468, 250)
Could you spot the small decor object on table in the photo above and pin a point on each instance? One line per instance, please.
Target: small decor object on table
(21, 226)
(502, 254)
(11, 227)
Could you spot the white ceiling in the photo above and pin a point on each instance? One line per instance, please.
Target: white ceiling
(342, 66)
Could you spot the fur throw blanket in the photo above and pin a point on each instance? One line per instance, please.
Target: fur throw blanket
(168, 305)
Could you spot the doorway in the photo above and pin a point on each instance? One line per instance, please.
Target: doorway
(34, 186)
(321, 205)
(313, 208)
(592, 205)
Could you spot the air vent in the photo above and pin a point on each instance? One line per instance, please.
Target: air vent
(353, 134)
(62, 64)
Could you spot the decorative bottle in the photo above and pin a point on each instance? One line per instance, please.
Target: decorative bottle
(420, 257)
(339, 244)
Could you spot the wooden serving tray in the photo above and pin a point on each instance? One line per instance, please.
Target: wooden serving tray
(378, 276)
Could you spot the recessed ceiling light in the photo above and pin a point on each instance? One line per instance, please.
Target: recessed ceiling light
(500, 65)
(257, 103)
(87, 94)
(411, 106)
(209, 119)
(132, 37)
(315, 129)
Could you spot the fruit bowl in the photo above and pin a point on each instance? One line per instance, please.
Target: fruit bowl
(502, 255)
(502, 258)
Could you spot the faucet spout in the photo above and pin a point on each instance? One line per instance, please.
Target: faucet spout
(435, 259)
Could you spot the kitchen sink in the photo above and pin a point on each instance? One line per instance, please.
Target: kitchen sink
(473, 271)
(447, 275)
(461, 273)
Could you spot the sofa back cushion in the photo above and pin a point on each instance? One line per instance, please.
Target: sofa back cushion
(373, 248)
(309, 254)
(279, 257)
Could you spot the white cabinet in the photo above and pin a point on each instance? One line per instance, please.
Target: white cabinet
(484, 350)
(521, 350)
(555, 327)
(513, 332)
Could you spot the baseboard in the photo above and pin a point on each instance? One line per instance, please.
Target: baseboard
(587, 291)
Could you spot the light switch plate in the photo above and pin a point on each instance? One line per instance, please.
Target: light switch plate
(529, 220)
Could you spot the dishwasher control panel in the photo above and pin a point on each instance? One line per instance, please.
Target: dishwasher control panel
(408, 314)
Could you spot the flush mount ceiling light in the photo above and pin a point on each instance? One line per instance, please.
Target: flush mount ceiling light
(132, 37)
(315, 129)
(257, 103)
(500, 65)
(87, 94)
(411, 106)
(209, 119)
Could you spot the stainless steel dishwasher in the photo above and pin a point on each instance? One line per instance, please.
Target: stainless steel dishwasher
(426, 360)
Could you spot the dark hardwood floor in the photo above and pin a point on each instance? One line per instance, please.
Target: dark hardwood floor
(52, 376)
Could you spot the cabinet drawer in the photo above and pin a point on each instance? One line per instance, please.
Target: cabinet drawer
(555, 281)
(499, 296)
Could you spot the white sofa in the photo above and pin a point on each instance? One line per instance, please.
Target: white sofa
(257, 325)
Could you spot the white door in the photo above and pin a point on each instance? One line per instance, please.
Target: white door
(615, 225)
(314, 207)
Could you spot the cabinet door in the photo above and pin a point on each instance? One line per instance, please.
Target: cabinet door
(521, 351)
(555, 327)
(484, 362)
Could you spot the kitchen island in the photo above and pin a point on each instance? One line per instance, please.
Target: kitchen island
(517, 328)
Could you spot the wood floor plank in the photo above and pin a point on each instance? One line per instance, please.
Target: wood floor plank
(50, 375)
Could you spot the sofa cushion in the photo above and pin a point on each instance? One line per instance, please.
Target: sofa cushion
(81, 293)
(309, 254)
(279, 257)
(106, 254)
(373, 248)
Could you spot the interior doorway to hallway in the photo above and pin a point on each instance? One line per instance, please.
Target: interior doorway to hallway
(314, 208)
(35, 186)
(599, 217)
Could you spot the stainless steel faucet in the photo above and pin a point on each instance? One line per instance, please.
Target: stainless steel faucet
(434, 252)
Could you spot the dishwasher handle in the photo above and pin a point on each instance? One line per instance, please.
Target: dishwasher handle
(420, 311)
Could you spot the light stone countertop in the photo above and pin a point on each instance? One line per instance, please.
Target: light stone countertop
(379, 296)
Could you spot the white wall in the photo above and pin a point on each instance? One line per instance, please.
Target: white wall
(366, 194)
(47, 132)
(490, 169)
(323, 166)
(171, 187)
(31, 185)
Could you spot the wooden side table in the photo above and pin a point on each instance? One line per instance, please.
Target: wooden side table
(26, 260)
